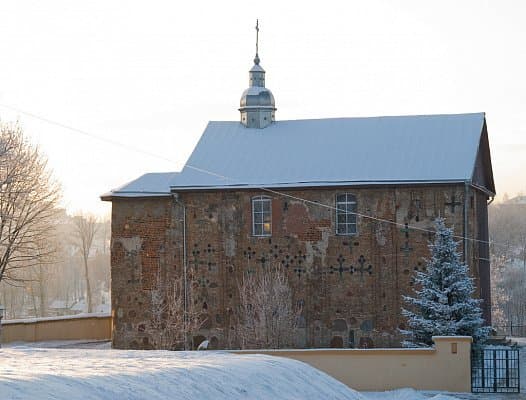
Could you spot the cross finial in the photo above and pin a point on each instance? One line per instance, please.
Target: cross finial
(256, 60)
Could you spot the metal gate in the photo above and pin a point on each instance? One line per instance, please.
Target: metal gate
(495, 370)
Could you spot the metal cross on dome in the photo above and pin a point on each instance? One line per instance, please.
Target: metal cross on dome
(256, 59)
(257, 35)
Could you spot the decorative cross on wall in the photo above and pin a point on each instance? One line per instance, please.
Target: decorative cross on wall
(202, 281)
(340, 269)
(274, 251)
(362, 261)
(453, 203)
(417, 203)
(406, 249)
(287, 261)
(418, 267)
(135, 274)
(249, 253)
(196, 262)
(299, 271)
(406, 230)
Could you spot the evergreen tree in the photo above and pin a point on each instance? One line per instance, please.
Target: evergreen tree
(443, 304)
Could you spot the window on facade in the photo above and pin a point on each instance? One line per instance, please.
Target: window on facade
(346, 214)
(261, 216)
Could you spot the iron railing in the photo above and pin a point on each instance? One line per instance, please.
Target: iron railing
(495, 370)
(511, 330)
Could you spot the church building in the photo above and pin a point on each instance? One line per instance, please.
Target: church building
(345, 205)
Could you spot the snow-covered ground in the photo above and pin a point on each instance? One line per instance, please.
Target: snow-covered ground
(91, 370)
(104, 314)
(46, 373)
(407, 394)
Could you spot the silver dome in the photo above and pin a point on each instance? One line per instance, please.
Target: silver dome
(257, 96)
(257, 105)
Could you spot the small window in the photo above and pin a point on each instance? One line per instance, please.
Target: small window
(261, 216)
(346, 214)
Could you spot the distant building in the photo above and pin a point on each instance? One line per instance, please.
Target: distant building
(345, 205)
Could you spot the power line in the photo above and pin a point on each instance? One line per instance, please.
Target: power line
(227, 178)
(403, 225)
(86, 133)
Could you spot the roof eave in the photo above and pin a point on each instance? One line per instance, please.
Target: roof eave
(133, 195)
(484, 145)
(294, 185)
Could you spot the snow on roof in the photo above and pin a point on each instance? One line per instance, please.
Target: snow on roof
(148, 185)
(325, 152)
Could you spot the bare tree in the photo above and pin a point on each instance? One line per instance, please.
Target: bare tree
(28, 204)
(508, 264)
(54, 285)
(267, 316)
(498, 295)
(170, 323)
(85, 230)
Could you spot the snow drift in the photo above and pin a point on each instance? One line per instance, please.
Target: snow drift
(78, 374)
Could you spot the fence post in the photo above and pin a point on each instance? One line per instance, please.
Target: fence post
(483, 358)
(494, 370)
(507, 368)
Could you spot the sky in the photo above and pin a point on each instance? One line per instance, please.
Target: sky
(139, 80)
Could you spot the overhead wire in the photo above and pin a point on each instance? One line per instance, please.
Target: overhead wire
(233, 180)
(86, 133)
(402, 225)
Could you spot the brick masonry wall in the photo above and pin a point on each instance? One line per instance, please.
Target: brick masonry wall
(350, 286)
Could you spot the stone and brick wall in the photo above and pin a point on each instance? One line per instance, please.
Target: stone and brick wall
(350, 287)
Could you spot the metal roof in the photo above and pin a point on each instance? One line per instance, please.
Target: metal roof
(326, 152)
(148, 185)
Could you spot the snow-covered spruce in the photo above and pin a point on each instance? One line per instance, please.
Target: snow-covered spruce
(443, 304)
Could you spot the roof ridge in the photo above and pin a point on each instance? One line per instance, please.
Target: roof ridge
(483, 113)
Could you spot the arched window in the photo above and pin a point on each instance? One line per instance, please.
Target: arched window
(346, 214)
(261, 216)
